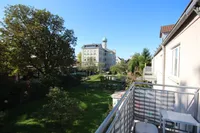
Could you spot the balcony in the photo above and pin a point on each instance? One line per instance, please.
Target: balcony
(148, 74)
(143, 101)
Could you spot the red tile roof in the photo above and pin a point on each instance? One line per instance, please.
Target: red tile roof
(166, 29)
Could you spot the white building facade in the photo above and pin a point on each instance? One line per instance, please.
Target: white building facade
(177, 60)
(98, 54)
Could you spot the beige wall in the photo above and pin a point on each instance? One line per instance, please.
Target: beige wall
(188, 38)
(158, 67)
(189, 70)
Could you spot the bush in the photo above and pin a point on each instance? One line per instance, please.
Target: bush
(69, 81)
(60, 107)
(2, 115)
(13, 93)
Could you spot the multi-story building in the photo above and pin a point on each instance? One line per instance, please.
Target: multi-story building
(98, 54)
(176, 61)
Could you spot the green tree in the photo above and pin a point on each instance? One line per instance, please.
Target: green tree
(79, 58)
(114, 69)
(147, 56)
(101, 67)
(60, 107)
(136, 64)
(120, 68)
(91, 66)
(123, 67)
(139, 61)
(37, 38)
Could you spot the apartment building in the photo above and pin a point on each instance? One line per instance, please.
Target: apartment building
(177, 59)
(98, 54)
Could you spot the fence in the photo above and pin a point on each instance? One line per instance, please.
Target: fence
(144, 101)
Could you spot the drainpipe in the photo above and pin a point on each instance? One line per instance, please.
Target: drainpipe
(163, 66)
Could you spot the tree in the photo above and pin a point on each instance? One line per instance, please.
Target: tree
(147, 56)
(91, 66)
(139, 61)
(136, 64)
(79, 58)
(120, 68)
(101, 67)
(114, 69)
(123, 67)
(60, 107)
(37, 38)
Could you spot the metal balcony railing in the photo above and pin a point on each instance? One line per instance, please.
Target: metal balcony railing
(144, 101)
(148, 74)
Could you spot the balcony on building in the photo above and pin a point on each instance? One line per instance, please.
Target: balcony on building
(143, 102)
(148, 74)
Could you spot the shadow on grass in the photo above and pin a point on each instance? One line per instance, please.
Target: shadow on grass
(95, 103)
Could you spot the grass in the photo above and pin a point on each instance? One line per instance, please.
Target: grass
(94, 78)
(94, 101)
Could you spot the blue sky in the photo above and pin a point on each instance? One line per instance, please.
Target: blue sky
(129, 25)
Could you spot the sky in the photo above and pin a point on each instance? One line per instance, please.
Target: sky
(129, 25)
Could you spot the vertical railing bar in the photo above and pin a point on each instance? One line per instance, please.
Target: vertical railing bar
(144, 104)
(120, 122)
(187, 102)
(128, 116)
(155, 107)
(114, 128)
(196, 104)
(124, 117)
(132, 107)
(167, 100)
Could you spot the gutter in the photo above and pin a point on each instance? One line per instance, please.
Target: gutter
(184, 16)
(190, 8)
(163, 67)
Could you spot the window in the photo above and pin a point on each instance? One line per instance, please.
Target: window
(175, 61)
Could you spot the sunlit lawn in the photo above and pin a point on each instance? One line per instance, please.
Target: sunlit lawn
(93, 99)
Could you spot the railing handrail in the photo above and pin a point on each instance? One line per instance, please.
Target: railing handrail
(106, 121)
(176, 86)
(114, 117)
(172, 91)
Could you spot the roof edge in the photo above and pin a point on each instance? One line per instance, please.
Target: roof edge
(187, 12)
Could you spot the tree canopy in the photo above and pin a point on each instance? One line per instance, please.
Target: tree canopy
(120, 68)
(36, 38)
(147, 56)
(138, 61)
(79, 57)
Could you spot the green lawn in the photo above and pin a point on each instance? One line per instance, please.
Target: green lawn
(93, 98)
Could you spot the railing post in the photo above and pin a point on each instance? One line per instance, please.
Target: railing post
(196, 101)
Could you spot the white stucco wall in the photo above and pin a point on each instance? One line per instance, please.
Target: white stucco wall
(157, 67)
(189, 70)
(189, 66)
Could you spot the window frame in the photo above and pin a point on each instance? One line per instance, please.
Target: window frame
(176, 61)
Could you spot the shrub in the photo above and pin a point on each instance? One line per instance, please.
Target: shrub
(13, 93)
(60, 107)
(69, 81)
(2, 115)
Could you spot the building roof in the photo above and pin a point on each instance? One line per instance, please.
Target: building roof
(187, 12)
(166, 29)
(91, 45)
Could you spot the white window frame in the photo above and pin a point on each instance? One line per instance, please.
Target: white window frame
(176, 61)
